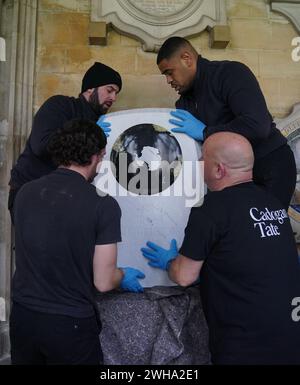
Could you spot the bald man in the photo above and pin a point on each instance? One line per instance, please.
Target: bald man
(241, 245)
(218, 96)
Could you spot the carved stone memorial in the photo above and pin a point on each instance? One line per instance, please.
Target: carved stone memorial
(153, 21)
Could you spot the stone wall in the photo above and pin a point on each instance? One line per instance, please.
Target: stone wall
(259, 37)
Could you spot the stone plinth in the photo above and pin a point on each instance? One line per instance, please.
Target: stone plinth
(162, 326)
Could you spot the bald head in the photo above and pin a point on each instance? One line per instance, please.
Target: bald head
(228, 160)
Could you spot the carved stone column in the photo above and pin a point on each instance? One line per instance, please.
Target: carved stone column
(18, 28)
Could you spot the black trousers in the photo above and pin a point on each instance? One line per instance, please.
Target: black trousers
(48, 339)
(276, 173)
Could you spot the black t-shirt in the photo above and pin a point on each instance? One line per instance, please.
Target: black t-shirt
(249, 277)
(59, 220)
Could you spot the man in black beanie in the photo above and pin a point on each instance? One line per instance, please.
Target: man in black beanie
(100, 87)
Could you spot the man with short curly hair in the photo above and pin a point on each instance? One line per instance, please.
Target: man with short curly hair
(66, 248)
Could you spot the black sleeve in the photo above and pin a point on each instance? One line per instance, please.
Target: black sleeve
(200, 234)
(50, 117)
(109, 221)
(240, 90)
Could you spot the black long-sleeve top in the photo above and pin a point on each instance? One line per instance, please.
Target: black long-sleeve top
(35, 161)
(226, 97)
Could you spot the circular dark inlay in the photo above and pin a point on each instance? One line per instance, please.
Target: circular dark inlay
(146, 159)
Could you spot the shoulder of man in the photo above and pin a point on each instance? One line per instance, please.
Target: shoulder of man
(107, 202)
(60, 105)
(59, 100)
(223, 66)
(213, 204)
(27, 189)
(234, 70)
(230, 75)
(222, 70)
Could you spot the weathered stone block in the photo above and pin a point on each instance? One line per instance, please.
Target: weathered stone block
(219, 36)
(113, 38)
(250, 58)
(64, 5)
(122, 59)
(51, 58)
(289, 92)
(63, 28)
(53, 84)
(130, 41)
(278, 64)
(249, 34)
(78, 59)
(142, 92)
(97, 33)
(200, 42)
(247, 8)
(282, 35)
(146, 63)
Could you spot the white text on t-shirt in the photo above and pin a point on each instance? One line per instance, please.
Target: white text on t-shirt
(264, 220)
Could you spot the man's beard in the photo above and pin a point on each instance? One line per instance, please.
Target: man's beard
(94, 102)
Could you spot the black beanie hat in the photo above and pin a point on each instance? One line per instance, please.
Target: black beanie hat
(99, 75)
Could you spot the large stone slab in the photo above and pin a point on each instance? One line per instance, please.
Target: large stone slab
(153, 207)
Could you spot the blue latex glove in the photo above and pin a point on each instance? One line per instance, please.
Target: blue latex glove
(187, 124)
(104, 125)
(130, 280)
(158, 256)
